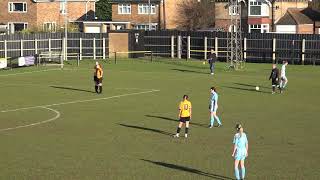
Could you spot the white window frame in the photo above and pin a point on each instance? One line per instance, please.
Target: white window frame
(144, 9)
(50, 30)
(154, 26)
(122, 6)
(261, 27)
(234, 28)
(63, 7)
(11, 4)
(233, 11)
(264, 8)
(11, 24)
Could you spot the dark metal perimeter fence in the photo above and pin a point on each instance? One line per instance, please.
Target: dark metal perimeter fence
(261, 48)
(81, 45)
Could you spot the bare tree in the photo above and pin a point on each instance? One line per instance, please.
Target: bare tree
(196, 14)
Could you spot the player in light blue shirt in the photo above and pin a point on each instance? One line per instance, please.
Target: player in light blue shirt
(240, 151)
(213, 107)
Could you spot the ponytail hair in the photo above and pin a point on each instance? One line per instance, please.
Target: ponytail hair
(213, 88)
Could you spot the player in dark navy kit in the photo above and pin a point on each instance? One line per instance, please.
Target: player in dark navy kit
(274, 76)
(212, 60)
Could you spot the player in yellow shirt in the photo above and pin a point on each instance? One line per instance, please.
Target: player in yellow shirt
(185, 114)
(98, 76)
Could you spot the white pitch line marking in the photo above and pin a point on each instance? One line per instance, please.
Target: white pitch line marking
(80, 101)
(29, 72)
(38, 123)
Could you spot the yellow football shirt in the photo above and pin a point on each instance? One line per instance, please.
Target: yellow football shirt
(99, 72)
(185, 108)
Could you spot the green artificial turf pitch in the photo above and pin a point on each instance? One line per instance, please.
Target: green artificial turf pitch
(126, 132)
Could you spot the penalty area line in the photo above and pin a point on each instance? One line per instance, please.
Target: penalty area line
(80, 101)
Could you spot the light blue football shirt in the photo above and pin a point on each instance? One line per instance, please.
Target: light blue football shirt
(240, 141)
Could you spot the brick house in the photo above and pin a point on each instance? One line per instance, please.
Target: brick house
(45, 15)
(257, 16)
(134, 14)
(263, 15)
(223, 15)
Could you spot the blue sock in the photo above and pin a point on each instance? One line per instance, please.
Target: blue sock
(236, 173)
(218, 119)
(243, 172)
(211, 120)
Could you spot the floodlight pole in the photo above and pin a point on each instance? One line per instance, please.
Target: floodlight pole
(65, 30)
(149, 14)
(235, 53)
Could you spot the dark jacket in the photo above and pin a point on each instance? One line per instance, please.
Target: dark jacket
(212, 58)
(274, 74)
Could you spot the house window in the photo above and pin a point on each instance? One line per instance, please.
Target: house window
(49, 26)
(146, 26)
(63, 9)
(258, 28)
(233, 10)
(17, 7)
(255, 8)
(232, 28)
(16, 27)
(258, 8)
(144, 9)
(124, 9)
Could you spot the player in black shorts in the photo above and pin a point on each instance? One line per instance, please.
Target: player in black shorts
(274, 76)
(98, 76)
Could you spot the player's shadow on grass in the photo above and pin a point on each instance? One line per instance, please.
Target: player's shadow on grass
(175, 120)
(246, 89)
(188, 169)
(72, 89)
(147, 129)
(250, 85)
(189, 71)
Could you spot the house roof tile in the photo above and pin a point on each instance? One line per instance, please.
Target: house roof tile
(134, 1)
(295, 16)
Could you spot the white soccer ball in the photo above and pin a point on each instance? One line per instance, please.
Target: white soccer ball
(257, 88)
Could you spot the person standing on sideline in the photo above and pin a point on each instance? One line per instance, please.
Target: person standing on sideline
(185, 114)
(98, 76)
(212, 61)
(213, 107)
(283, 78)
(275, 77)
(240, 151)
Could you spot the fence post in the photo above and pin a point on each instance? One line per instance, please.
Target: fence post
(80, 49)
(179, 47)
(63, 53)
(78, 60)
(36, 46)
(205, 47)
(274, 50)
(216, 45)
(303, 51)
(172, 46)
(49, 42)
(66, 48)
(104, 48)
(94, 48)
(21, 47)
(188, 47)
(5, 50)
(245, 49)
